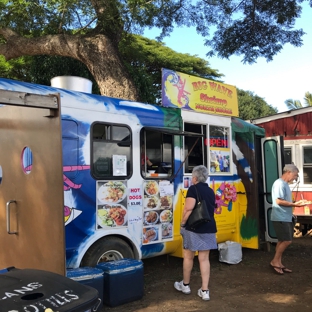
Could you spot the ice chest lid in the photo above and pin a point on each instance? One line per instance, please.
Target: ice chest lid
(84, 273)
(120, 266)
(26, 289)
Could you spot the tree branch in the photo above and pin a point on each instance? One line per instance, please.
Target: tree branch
(16, 45)
(61, 21)
(86, 26)
(96, 51)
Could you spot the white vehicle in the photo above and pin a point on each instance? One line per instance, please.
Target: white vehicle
(76, 188)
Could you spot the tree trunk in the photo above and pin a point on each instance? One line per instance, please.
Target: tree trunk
(97, 52)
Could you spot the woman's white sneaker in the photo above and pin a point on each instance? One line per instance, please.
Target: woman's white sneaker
(203, 294)
(181, 287)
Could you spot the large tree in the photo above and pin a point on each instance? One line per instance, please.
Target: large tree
(90, 31)
(144, 58)
(252, 106)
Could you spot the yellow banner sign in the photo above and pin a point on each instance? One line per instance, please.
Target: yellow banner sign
(198, 94)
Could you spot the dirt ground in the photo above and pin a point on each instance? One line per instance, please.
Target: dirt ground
(250, 285)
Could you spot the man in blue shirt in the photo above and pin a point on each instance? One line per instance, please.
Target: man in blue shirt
(281, 216)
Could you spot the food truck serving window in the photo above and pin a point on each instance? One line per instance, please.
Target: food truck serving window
(220, 150)
(194, 146)
(156, 159)
(111, 151)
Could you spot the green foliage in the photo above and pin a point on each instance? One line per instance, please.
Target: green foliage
(252, 106)
(295, 104)
(15, 69)
(38, 17)
(42, 68)
(144, 59)
(308, 99)
(252, 29)
(249, 28)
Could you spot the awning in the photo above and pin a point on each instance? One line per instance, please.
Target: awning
(174, 132)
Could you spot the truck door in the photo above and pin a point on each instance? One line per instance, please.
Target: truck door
(31, 182)
(272, 163)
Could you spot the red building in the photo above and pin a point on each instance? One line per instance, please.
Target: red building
(295, 126)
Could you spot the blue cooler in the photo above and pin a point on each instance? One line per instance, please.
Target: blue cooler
(123, 281)
(92, 277)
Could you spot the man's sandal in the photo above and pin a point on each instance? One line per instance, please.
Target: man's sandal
(277, 270)
(285, 270)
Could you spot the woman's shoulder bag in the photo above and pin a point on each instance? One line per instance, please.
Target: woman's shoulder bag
(199, 213)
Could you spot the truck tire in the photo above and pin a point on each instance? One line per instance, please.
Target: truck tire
(107, 249)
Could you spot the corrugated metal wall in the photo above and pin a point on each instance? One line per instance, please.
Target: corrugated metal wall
(292, 126)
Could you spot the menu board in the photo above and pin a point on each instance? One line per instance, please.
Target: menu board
(157, 211)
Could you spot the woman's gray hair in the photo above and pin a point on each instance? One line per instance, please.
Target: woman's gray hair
(290, 168)
(200, 173)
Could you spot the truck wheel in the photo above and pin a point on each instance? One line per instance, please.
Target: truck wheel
(107, 249)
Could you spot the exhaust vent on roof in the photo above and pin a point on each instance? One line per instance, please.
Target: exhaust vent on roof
(72, 83)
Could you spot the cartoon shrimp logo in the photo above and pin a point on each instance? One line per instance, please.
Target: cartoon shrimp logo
(181, 96)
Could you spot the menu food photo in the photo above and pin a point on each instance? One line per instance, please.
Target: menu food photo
(111, 204)
(157, 211)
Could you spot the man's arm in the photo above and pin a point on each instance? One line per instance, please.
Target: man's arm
(285, 203)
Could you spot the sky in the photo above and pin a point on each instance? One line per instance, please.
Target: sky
(288, 76)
